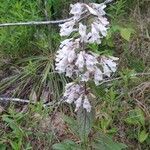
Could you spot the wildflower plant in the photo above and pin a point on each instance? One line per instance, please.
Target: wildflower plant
(88, 25)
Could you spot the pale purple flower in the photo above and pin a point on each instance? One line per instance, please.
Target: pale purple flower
(70, 98)
(91, 10)
(71, 56)
(75, 60)
(99, 8)
(67, 28)
(61, 65)
(80, 60)
(93, 36)
(75, 92)
(82, 32)
(109, 65)
(76, 10)
(86, 104)
(96, 9)
(66, 42)
(65, 56)
(103, 20)
(91, 61)
(78, 102)
(98, 76)
(85, 76)
(69, 70)
(100, 28)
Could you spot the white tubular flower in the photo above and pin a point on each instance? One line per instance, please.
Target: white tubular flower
(76, 10)
(106, 70)
(91, 10)
(78, 102)
(71, 56)
(69, 70)
(86, 104)
(75, 92)
(93, 36)
(91, 61)
(96, 9)
(67, 28)
(103, 21)
(82, 32)
(68, 85)
(98, 76)
(86, 76)
(66, 42)
(99, 27)
(61, 65)
(65, 57)
(70, 98)
(109, 65)
(99, 8)
(72, 92)
(80, 60)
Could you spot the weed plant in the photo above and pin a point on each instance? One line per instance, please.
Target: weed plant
(121, 116)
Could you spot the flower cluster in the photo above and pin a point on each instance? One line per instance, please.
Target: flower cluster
(76, 93)
(96, 31)
(74, 57)
(86, 65)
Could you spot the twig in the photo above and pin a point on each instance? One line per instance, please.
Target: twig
(4, 99)
(34, 23)
(108, 1)
(15, 100)
(119, 78)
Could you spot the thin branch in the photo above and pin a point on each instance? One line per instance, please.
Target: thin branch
(108, 1)
(34, 23)
(119, 78)
(18, 100)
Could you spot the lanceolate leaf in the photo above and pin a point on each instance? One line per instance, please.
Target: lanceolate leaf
(85, 121)
(66, 145)
(103, 142)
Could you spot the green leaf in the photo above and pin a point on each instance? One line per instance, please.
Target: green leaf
(3, 147)
(103, 142)
(85, 121)
(15, 145)
(136, 117)
(72, 123)
(66, 145)
(126, 33)
(142, 136)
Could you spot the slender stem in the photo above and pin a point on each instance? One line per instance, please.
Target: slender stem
(34, 23)
(25, 101)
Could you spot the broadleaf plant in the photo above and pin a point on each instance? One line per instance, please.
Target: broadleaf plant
(74, 57)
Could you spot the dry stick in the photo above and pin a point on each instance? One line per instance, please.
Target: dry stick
(50, 104)
(34, 23)
(25, 101)
(119, 78)
(15, 100)
(41, 22)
